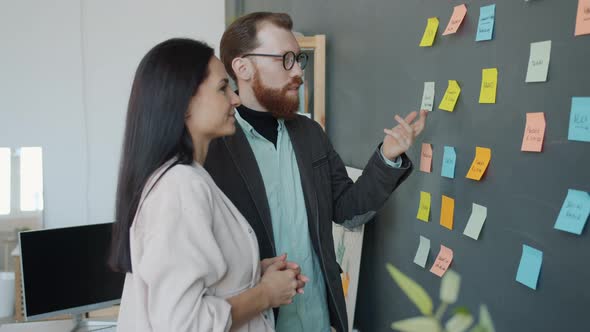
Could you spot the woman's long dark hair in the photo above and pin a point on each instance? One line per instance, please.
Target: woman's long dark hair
(167, 78)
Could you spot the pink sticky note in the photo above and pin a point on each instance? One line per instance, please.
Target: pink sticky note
(426, 158)
(534, 132)
(442, 261)
(583, 18)
(456, 19)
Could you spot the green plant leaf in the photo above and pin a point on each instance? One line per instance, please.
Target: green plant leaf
(459, 323)
(417, 324)
(449, 287)
(415, 292)
(478, 328)
(462, 310)
(485, 319)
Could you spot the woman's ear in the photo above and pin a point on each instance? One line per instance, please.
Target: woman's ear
(243, 68)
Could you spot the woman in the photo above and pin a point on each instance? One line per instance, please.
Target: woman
(191, 259)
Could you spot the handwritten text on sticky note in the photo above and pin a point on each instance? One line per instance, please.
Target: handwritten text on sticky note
(480, 163)
(442, 261)
(451, 96)
(456, 19)
(429, 32)
(574, 212)
(534, 132)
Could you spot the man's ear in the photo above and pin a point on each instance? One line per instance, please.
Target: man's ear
(243, 68)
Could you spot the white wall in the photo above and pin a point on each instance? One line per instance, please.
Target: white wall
(66, 69)
(41, 101)
(116, 36)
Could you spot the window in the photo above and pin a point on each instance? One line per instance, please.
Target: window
(21, 181)
(31, 179)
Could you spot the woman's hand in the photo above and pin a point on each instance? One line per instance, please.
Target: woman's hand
(278, 284)
(301, 279)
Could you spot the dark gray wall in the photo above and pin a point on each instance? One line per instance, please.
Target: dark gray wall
(375, 69)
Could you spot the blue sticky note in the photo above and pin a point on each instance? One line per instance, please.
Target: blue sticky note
(529, 267)
(574, 212)
(580, 120)
(485, 27)
(448, 163)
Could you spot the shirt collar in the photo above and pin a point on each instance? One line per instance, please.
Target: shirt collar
(247, 127)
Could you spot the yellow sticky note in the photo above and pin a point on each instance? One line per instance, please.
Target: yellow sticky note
(451, 95)
(424, 208)
(447, 211)
(480, 163)
(430, 32)
(489, 83)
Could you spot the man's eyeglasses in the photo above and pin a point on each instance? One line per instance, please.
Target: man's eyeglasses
(289, 59)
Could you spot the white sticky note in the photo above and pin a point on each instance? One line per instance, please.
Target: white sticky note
(476, 221)
(428, 96)
(539, 62)
(422, 252)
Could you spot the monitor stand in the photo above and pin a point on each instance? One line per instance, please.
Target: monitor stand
(81, 324)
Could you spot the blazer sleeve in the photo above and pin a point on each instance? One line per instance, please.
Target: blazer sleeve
(355, 204)
(181, 258)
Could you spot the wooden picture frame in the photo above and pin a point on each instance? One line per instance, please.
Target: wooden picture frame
(317, 44)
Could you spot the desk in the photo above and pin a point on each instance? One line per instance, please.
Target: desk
(59, 326)
(46, 326)
(106, 317)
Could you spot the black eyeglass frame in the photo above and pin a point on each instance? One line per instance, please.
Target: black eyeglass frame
(300, 58)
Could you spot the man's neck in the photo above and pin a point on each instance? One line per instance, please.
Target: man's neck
(249, 100)
(262, 122)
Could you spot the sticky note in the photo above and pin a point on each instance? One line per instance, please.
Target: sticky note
(579, 129)
(447, 211)
(426, 158)
(448, 163)
(427, 96)
(485, 26)
(529, 267)
(534, 132)
(422, 252)
(456, 19)
(429, 32)
(539, 62)
(442, 261)
(479, 213)
(480, 163)
(583, 18)
(574, 212)
(424, 207)
(489, 83)
(451, 95)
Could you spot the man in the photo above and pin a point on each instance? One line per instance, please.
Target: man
(281, 171)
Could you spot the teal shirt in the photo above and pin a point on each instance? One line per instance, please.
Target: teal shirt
(280, 174)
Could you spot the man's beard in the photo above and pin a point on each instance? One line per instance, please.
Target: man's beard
(276, 101)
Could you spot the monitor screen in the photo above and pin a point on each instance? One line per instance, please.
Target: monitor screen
(65, 270)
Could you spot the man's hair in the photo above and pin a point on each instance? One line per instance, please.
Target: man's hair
(241, 36)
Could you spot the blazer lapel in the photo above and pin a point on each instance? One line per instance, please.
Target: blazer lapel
(245, 161)
(301, 146)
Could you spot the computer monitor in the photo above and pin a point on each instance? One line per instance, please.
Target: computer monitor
(64, 271)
